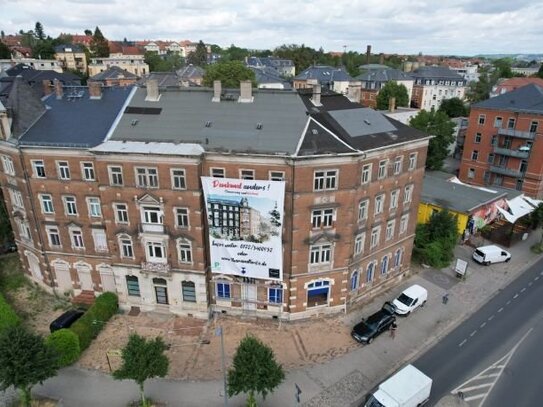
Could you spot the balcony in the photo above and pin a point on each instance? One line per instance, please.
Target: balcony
(511, 153)
(516, 133)
(162, 269)
(152, 228)
(506, 171)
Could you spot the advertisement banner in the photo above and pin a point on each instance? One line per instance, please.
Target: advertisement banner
(245, 224)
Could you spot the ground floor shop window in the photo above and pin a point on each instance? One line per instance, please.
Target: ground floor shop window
(317, 293)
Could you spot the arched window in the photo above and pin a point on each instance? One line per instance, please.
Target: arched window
(398, 258)
(133, 286)
(384, 265)
(354, 280)
(369, 272)
(317, 293)
(188, 289)
(161, 290)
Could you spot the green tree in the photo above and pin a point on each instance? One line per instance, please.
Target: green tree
(199, 56)
(453, 107)
(66, 345)
(6, 234)
(438, 125)
(392, 89)
(142, 360)
(229, 73)
(254, 369)
(25, 360)
(503, 67)
(99, 46)
(88, 32)
(43, 49)
(234, 53)
(5, 53)
(539, 73)
(435, 240)
(38, 31)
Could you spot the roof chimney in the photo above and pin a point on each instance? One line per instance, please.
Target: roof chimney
(353, 91)
(246, 92)
(316, 98)
(216, 91)
(5, 128)
(46, 84)
(152, 91)
(392, 104)
(368, 54)
(58, 89)
(95, 90)
(382, 58)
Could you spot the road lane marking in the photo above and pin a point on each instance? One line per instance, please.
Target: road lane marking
(480, 386)
(501, 309)
(524, 289)
(515, 296)
(473, 333)
(530, 283)
(478, 396)
(486, 376)
(536, 278)
(508, 302)
(490, 318)
(482, 325)
(462, 343)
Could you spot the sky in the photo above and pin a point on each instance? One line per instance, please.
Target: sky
(444, 27)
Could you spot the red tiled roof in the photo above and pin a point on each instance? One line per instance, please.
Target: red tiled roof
(12, 40)
(510, 84)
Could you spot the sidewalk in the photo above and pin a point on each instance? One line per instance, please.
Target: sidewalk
(343, 380)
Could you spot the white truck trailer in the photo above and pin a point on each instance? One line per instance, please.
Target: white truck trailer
(408, 387)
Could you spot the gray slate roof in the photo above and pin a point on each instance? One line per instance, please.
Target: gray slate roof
(70, 47)
(438, 191)
(384, 75)
(190, 72)
(436, 72)
(527, 99)
(268, 75)
(24, 106)
(324, 74)
(113, 72)
(76, 121)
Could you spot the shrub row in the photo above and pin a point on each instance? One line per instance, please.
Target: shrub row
(66, 344)
(92, 322)
(8, 317)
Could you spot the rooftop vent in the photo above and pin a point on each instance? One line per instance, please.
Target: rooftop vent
(367, 122)
(208, 123)
(134, 122)
(314, 131)
(259, 126)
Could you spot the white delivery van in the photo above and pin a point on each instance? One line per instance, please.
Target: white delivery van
(490, 254)
(409, 387)
(410, 299)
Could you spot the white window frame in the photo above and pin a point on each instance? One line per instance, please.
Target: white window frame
(276, 175)
(146, 177)
(63, 168)
(247, 174)
(391, 224)
(184, 251)
(99, 238)
(94, 207)
(178, 178)
(398, 161)
(320, 254)
(76, 239)
(404, 222)
(382, 173)
(325, 180)
(47, 206)
(481, 119)
(53, 231)
(379, 204)
(149, 212)
(38, 166)
(366, 173)
(408, 194)
(394, 196)
(324, 217)
(118, 211)
(7, 163)
(375, 237)
(126, 247)
(87, 171)
(359, 241)
(363, 207)
(217, 172)
(116, 178)
(178, 212)
(412, 161)
(16, 199)
(70, 202)
(150, 252)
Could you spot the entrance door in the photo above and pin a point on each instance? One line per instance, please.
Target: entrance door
(248, 297)
(64, 280)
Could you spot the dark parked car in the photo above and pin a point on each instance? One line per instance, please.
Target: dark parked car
(375, 324)
(66, 320)
(9, 247)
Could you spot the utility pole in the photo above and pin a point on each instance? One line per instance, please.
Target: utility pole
(218, 332)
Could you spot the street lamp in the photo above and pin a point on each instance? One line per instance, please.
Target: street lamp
(218, 332)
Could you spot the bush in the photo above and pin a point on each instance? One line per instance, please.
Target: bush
(92, 322)
(66, 344)
(8, 317)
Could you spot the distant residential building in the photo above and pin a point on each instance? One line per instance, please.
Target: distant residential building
(434, 84)
(509, 84)
(19, 52)
(527, 70)
(268, 78)
(82, 39)
(284, 67)
(468, 72)
(129, 58)
(115, 76)
(71, 56)
(190, 74)
(504, 142)
(37, 64)
(188, 46)
(374, 79)
(336, 79)
(161, 47)
(402, 114)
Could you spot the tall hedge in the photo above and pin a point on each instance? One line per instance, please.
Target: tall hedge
(66, 345)
(8, 317)
(93, 321)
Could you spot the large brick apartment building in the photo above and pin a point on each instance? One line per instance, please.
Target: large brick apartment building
(504, 142)
(103, 187)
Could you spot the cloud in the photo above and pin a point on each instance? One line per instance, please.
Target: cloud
(446, 27)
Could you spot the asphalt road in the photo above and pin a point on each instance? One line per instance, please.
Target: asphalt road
(514, 315)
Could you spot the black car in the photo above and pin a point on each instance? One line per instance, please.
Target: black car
(375, 324)
(66, 320)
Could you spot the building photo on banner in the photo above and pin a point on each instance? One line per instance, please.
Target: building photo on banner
(245, 221)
